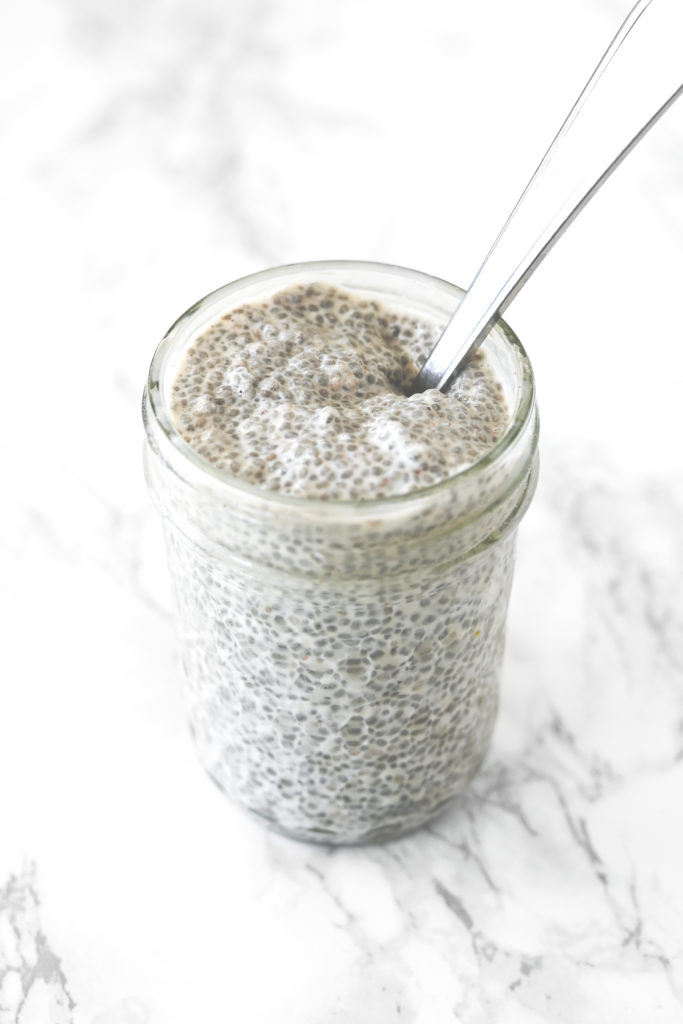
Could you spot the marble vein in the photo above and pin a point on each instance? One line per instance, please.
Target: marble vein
(33, 985)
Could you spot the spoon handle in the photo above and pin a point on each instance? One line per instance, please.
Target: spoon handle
(638, 78)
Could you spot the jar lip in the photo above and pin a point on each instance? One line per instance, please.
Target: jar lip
(163, 435)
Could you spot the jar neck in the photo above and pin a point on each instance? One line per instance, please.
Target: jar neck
(449, 519)
(416, 533)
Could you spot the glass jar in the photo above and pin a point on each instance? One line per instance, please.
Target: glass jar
(342, 658)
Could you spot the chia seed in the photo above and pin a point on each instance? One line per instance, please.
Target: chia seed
(301, 396)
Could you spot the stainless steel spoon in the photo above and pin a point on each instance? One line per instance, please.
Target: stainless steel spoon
(637, 80)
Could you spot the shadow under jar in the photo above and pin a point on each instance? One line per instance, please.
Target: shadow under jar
(342, 658)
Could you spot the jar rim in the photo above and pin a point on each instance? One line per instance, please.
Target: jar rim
(169, 443)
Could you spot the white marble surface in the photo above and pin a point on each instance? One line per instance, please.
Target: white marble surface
(152, 151)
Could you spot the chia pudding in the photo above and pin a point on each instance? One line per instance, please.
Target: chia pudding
(341, 554)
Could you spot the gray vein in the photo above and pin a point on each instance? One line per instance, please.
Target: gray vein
(37, 961)
(454, 904)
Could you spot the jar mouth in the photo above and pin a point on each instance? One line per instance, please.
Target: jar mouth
(164, 437)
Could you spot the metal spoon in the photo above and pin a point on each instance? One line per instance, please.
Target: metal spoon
(638, 78)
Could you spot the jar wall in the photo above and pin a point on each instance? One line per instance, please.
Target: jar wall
(342, 658)
(335, 712)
